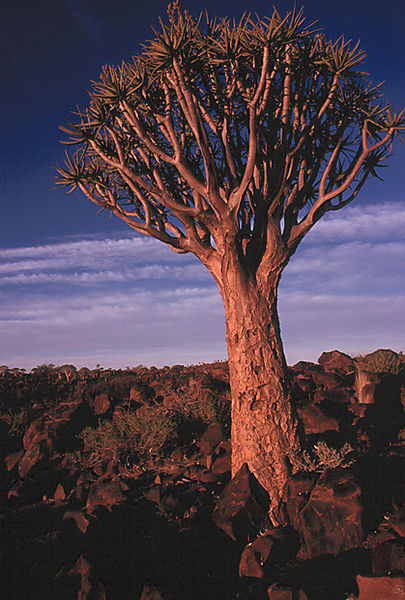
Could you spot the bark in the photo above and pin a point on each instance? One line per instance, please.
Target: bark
(264, 429)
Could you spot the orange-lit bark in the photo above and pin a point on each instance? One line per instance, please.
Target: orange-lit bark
(264, 429)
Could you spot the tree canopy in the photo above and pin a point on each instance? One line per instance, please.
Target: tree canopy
(257, 123)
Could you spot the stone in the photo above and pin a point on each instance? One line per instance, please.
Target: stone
(281, 592)
(254, 555)
(90, 587)
(336, 361)
(105, 494)
(402, 393)
(296, 496)
(59, 494)
(365, 385)
(389, 558)
(12, 459)
(241, 508)
(340, 395)
(101, 404)
(397, 521)
(211, 437)
(315, 420)
(221, 465)
(330, 522)
(151, 592)
(303, 384)
(39, 438)
(381, 588)
(137, 395)
(81, 522)
(36, 441)
(326, 381)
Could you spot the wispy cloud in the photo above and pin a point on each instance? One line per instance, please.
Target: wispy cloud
(95, 261)
(369, 223)
(122, 299)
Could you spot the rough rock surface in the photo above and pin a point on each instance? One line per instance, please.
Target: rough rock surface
(315, 420)
(381, 588)
(336, 361)
(242, 506)
(281, 592)
(212, 436)
(366, 384)
(151, 592)
(330, 522)
(101, 404)
(389, 558)
(254, 556)
(104, 494)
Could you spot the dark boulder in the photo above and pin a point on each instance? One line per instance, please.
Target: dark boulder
(336, 361)
(254, 555)
(107, 494)
(100, 404)
(282, 592)
(315, 420)
(389, 558)
(151, 592)
(210, 439)
(330, 522)
(242, 506)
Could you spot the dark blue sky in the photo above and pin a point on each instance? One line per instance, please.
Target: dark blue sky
(50, 51)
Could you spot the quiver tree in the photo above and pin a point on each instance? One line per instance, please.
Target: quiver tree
(230, 141)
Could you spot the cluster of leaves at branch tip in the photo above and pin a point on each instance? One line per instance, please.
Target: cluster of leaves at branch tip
(321, 458)
(258, 121)
(381, 361)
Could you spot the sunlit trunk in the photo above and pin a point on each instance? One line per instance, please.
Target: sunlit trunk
(263, 427)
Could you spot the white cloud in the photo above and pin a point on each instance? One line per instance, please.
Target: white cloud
(95, 261)
(347, 267)
(129, 300)
(362, 222)
(98, 325)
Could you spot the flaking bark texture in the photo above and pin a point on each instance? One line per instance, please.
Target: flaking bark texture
(263, 426)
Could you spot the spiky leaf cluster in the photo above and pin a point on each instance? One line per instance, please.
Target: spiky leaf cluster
(230, 126)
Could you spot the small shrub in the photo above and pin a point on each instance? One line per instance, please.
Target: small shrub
(321, 458)
(128, 438)
(196, 410)
(381, 361)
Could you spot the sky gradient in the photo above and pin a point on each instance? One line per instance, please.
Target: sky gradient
(77, 287)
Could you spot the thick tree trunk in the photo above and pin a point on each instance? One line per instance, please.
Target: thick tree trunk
(263, 426)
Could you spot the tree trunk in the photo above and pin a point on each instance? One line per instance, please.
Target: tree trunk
(263, 427)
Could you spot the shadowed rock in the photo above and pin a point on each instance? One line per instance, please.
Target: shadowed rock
(242, 506)
(336, 361)
(330, 522)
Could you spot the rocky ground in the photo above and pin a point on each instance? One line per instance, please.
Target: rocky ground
(116, 485)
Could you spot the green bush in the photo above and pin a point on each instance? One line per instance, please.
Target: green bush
(381, 361)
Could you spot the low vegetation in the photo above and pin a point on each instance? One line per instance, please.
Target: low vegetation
(321, 458)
